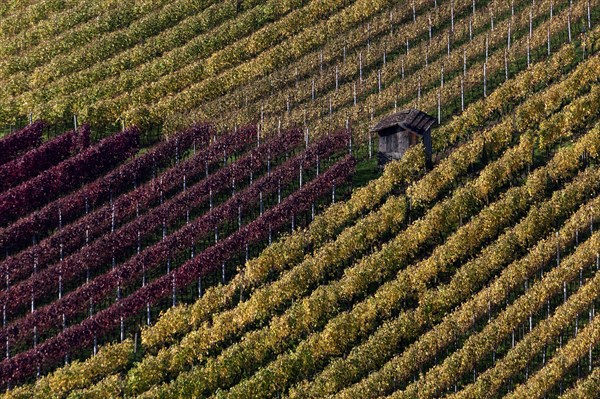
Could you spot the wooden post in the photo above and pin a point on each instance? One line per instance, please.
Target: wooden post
(485, 80)
(4, 325)
(439, 104)
(486, 47)
(471, 29)
(59, 273)
(349, 136)
(174, 294)
(122, 335)
(321, 61)
(462, 94)
(251, 172)
(452, 15)
(260, 196)
(402, 68)
(419, 92)
(558, 253)
(505, 66)
(548, 39)
(360, 66)
(569, 24)
(590, 360)
(530, 22)
(429, 21)
(306, 137)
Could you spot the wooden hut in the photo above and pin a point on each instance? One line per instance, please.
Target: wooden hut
(399, 131)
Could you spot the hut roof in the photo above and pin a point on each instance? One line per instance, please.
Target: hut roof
(409, 119)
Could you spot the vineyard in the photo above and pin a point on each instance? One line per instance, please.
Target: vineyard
(191, 206)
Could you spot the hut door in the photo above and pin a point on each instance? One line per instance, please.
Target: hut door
(392, 143)
(383, 143)
(403, 142)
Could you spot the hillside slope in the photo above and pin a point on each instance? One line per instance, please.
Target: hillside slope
(475, 278)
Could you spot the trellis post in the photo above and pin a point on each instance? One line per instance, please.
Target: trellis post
(462, 94)
(485, 79)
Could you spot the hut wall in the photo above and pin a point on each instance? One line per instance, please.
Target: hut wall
(402, 143)
(393, 145)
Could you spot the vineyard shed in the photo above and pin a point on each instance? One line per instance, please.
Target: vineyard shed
(399, 131)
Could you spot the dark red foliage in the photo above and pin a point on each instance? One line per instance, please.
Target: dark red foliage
(15, 144)
(72, 237)
(50, 351)
(68, 175)
(39, 159)
(100, 287)
(92, 195)
(100, 252)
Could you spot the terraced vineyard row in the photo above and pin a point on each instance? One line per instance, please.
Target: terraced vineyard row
(95, 240)
(320, 346)
(339, 60)
(467, 269)
(335, 334)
